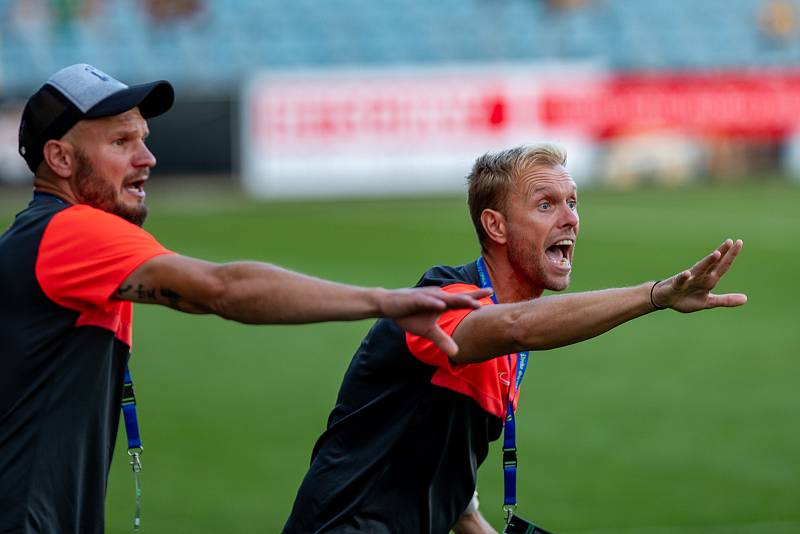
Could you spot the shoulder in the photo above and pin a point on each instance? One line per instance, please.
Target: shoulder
(82, 220)
(82, 233)
(86, 213)
(444, 276)
(37, 213)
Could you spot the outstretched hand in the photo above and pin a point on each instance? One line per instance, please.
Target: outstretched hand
(690, 290)
(416, 310)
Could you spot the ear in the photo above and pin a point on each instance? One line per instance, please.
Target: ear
(494, 224)
(59, 156)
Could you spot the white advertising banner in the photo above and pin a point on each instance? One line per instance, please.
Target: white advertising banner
(401, 131)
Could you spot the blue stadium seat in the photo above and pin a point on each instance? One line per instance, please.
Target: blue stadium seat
(232, 38)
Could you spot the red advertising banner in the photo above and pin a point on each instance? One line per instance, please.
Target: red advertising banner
(731, 103)
(412, 110)
(377, 131)
(356, 132)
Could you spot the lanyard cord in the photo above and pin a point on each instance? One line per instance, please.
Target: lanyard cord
(134, 444)
(509, 429)
(129, 413)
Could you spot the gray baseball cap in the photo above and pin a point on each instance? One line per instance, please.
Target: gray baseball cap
(81, 92)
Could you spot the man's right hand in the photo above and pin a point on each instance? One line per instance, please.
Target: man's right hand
(416, 310)
(690, 290)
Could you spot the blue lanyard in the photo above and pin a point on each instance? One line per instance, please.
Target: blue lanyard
(128, 412)
(134, 444)
(509, 431)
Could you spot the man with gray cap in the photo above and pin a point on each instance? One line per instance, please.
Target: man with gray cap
(72, 263)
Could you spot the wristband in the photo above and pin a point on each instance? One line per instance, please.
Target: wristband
(653, 302)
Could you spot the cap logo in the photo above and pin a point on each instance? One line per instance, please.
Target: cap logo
(97, 73)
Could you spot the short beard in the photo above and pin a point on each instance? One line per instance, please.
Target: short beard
(526, 264)
(94, 191)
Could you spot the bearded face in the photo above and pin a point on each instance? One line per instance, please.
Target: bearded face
(99, 193)
(530, 263)
(542, 223)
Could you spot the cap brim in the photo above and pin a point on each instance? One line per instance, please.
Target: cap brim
(152, 99)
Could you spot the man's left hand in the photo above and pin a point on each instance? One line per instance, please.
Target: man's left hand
(690, 290)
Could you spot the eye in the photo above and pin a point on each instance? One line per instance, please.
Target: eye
(544, 205)
(573, 204)
(119, 142)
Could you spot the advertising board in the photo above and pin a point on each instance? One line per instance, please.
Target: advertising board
(404, 131)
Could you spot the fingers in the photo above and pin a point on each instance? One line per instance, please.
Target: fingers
(469, 299)
(429, 301)
(479, 293)
(706, 264)
(727, 260)
(718, 262)
(442, 340)
(730, 300)
(406, 302)
(727, 244)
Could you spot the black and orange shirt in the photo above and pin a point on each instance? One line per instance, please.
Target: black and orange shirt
(409, 430)
(64, 344)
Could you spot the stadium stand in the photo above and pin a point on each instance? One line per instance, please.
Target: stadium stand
(220, 42)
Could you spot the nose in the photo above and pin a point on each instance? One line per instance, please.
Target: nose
(144, 158)
(569, 217)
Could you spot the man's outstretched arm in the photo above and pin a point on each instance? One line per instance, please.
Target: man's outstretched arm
(559, 320)
(260, 293)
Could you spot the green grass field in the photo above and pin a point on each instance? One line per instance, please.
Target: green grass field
(669, 424)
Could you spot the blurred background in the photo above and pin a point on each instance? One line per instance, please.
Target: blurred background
(333, 137)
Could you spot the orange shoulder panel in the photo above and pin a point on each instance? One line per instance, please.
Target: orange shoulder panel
(424, 349)
(485, 382)
(86, 253)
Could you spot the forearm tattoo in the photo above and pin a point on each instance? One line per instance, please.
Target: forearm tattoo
(172, 296)
(122, 290)
(149, 294)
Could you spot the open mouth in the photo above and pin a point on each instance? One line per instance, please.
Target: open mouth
(560, 253)
(136, 187)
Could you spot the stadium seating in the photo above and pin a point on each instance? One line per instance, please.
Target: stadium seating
(225, 40)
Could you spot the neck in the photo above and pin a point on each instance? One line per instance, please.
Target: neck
(42, 184)
(508, 284)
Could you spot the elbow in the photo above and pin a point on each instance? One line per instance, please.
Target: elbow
(216, 297)
(229, 295)
(520, 336)
(529, 336)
